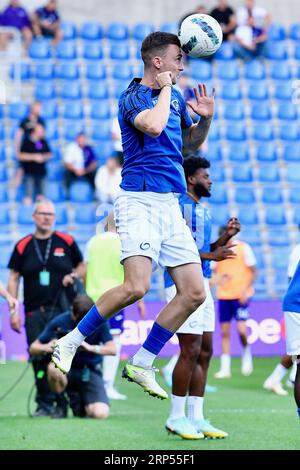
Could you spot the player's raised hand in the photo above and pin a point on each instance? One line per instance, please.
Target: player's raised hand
(203, 105)
(164, 78)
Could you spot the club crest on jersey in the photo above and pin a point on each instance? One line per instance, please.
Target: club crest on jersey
(59, 252)
(175, 104)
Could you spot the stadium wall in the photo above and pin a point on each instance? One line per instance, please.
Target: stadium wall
(155, 11)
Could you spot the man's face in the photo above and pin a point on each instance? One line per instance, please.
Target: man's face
(81, 140)
(36, 109)
(51, 5)
(171, 61)
(15, 3)
(39, 131)
(250, 3)
(222, 3)
(44, 217)
(201, 182)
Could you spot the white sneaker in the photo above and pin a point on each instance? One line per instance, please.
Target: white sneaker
(63, 354)
(145, 378)
(275, 387)
(290, 383)
(222, 375)
(247, 366)
(113, 394)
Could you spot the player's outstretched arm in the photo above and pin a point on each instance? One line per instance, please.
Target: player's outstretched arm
(203, 106)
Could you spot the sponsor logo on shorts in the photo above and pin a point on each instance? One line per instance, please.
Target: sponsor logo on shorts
(145, 246)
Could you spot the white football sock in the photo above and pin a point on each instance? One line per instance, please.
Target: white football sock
(278, 373)
(111, 364)
(143, 358)
(225, 361)
(74, 337)
(178, 407)
(169, 367)
(195, 408)
(246, 353)
(293, 372)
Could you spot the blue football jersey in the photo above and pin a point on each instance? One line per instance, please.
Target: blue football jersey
(291, 300)
(152, 163)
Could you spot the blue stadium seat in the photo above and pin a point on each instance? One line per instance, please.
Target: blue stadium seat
(218, 195)
(200, 70)
(117, 32)
(238, 152)
(234, 111)
(266, 152)
(217, 173)
(225, 52)
(235, 131)
(214, 132)
(52, 129)
(260, 257)
(231, 91)
(5, 254)
(67, 71)
(3, 172)
(293, 172)
(291, 152)
(91, 31)
(24, 215)
(280, 71)
(72, 129)
(119, 87)
(68, 30)
(44, 90)
(72, 110)
(268, 173)
(3, 193)
(97, 90)
(255, 70)
(275, 215)
(100, 110)
(102, 132)
(44, 71)
(263, 131)
(242, 173)
(122, 71)
(276, 32)
(260, 111)
(248, 214)
(70, 90)
(289, 132)
(277, 236)
(280, 259)
(295, 31)
(251, 235)
(276, 50)
(283, 91)
(23, 72)
(104, 150)
(214, 152)
(229, 72)
(169, 28)
(54, 171)
(220, 214)
(2, 154)
(297, 51)
(55, 192)
(272, 195)
(85, 214)
(281, 280)
(61, 215)
(66, 50)
(258, 91)
(96, 71)
(141, 30)
(39, 49)
(244, 195)
(287, 112)
(81, 192)
(18, 110)
(119, 51)
(93, 51)
(296, 217)
(294, 194)
(49, 110)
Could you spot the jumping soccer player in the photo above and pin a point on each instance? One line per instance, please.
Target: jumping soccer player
(155, 123)
(196, 334)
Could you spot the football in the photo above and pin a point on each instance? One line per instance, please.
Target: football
(200, 35)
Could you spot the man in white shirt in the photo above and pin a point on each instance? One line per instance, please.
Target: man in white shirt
(79, 161)
(107, 180)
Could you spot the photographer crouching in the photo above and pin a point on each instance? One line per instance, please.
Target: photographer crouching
(84, 383)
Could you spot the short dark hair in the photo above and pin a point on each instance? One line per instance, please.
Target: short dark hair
(156, 43)
(192, 164)
(81, 305)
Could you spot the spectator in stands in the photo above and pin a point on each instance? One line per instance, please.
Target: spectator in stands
(50, 263)
(234, 280)
(117, 140)
(46, 22)
(34, 154)
(16, 17)
(251, 31)
(79, 161)
(224, 14)
(199, 9)
(84, 383)
(107, 180)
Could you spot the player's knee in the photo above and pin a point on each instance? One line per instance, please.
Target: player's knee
(193, 351)
(206, 355)
(196, 297)
(97, 410)
(136, 291)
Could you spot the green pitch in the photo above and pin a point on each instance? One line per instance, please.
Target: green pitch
(254, 418)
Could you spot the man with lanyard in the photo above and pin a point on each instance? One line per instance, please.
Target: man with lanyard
(48, 261)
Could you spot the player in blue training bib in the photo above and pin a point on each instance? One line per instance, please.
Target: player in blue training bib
(155, 125)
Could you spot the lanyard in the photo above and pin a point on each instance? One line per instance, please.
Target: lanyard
(47, 252)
